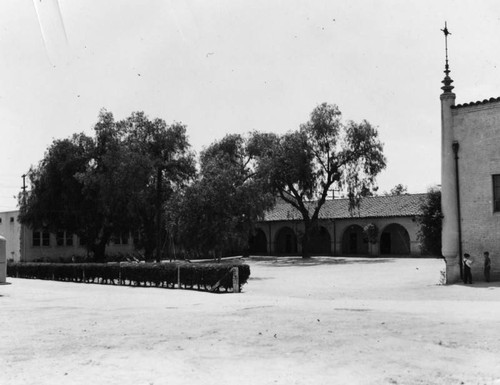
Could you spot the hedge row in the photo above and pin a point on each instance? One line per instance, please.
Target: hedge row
(201, 276)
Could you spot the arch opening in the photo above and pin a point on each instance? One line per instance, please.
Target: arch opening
(257, 244)
(286, 241)
(320, 241)
(353, 241)
(395, 240)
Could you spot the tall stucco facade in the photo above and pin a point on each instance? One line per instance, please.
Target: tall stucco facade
(470, 166)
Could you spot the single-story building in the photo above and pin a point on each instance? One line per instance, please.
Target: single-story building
(25, 244)
(340, 231)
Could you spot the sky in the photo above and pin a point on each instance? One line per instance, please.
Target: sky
(232, 66)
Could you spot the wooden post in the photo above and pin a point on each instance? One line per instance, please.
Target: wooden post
(236, 280)
(3, 260)
(178, 277)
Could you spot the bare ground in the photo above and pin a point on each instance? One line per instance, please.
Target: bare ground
(323, 321)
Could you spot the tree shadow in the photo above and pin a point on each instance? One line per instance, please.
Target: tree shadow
(316, 261)
(481, 285)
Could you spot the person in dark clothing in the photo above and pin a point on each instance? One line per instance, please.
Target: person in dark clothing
(487, 266)
(467, 266)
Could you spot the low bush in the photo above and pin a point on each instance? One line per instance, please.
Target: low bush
(200, 276)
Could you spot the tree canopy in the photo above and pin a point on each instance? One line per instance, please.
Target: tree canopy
(138, 175)
(430, 222)
(303, 166)
(99, 186)
(399, 189)
(216, 214)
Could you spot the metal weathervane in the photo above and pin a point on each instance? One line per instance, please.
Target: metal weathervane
(447, 80)
(446, 33)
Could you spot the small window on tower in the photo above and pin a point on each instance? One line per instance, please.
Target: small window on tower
(496, 193)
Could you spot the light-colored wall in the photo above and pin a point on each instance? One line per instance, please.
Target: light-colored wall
(450, 233)
(19, 243)
(55, 252)
(477, 130)
(336, 229)
(11, 231)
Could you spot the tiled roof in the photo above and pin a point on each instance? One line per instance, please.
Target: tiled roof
(479, 102)
(371, 207)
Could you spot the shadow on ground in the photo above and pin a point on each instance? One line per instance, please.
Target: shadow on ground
(315, 261)
(480, 285)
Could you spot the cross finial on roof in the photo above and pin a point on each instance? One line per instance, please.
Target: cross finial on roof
(447, 87)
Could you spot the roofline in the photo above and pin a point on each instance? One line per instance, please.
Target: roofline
(476, 103)
(342, 218)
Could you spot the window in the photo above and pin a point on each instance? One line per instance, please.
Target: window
(496, 193)
(37, 238)
(60, 238)
(41, 238)
(11, 219)
(64, 239)
(120, 238)
(45, 238)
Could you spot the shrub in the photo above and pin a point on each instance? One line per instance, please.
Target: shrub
(202, 276)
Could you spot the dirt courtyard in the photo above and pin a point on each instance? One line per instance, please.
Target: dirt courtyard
(323, 321)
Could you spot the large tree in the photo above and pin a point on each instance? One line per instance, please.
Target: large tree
(97, 187)
(303, 166)
(165, 153)
(216, 214)
(57, 199)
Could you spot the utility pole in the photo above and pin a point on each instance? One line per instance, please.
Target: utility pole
(24, 188)
(23, 227)
(159, 177)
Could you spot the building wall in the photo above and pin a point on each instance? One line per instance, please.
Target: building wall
(337, 228)
(56, 252)
(20, 246)
(477, 130)
(10, 229)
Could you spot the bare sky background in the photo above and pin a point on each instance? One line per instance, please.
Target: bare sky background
(234, 66)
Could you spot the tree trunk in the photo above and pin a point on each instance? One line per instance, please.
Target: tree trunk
(99, 250)
(306, 238)
(99, 246)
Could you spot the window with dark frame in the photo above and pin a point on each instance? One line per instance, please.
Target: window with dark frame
(45, 238)
(37, 237)
(41, 238)
(496, 193)
(64, 239)
(60, 238)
